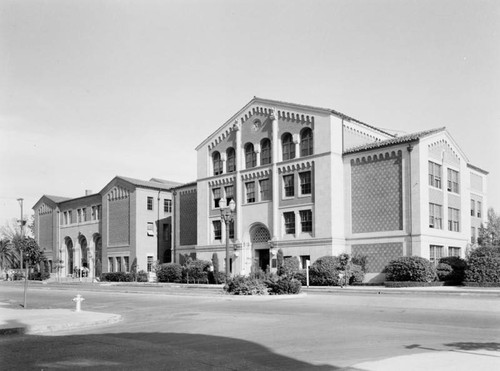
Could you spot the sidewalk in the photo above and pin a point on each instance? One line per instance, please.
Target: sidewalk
(48, 321)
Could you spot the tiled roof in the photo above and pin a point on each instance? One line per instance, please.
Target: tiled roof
(150, 184)
(393, 141)
(57, 199)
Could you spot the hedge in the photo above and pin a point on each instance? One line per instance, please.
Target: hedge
(395, 284)
(410, 268)
(483, 265)
(169, 272)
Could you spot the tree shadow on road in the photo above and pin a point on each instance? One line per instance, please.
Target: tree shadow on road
(475, 346)
(146, 351)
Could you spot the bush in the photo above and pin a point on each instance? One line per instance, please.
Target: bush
(301, 276)
(458, 266)
(324, 271)
(444, 271)
(142, 276)
(395, 284)
(356, 274)
(282, 285)
(39, 276)
(197, 271)
(291, 266)
(116, 277)
(410, 268)
(241, 285)
(170, 272)
(483, 265)
(360, 259)
(215, 277)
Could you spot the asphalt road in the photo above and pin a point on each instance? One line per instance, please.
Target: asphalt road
(217, 332)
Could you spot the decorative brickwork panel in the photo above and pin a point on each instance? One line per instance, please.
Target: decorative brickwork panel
(378, 255)
(119, 221)
(45, 231)
(377, 202)
(188, 218)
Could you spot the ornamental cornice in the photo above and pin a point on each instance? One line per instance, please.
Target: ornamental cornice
(263, 173)
(356, 130)
(118, 193)
(44, 209)
(222, 181)
(444, 143)
(296, 166)
(376, 157)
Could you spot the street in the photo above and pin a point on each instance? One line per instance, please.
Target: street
(326, 331)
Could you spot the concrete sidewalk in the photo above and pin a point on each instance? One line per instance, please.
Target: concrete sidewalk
(50, 321)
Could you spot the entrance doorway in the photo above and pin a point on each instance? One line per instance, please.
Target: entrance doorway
(260, 238)
(262, 257)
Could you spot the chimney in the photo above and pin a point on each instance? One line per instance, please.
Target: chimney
(88, 192)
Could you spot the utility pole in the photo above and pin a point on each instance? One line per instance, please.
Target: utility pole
(20, 200)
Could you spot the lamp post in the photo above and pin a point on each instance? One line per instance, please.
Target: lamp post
(21, 223)
(226, 215)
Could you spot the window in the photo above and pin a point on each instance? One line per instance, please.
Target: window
(98, 212)
(65, 217)
(453, 251)
(289, 222)
(231, 160)
(126, 263)
(93, 213)
(229, 193)
(473, 235)
(217, 162)
(303, 261)
(231, 229)
(217, 196)
(110, 265)
(150, 203)
(84, 214)
(265, 191)
(265, 152)
(306, 142)
(306, 220)
(434, 174)
(167, 206)
(166, 232)
(453, 219)
(289, 186)
(436, 253)
(250, 186)
(250, 156)
(118, 264)
(150, 263)
(435, 216)
(70, 216)
(472, 208)
(479, 207)
(305, 183)
(150, 229)
(453, 181)
(79, 215)
(217, 229)
(288, 147)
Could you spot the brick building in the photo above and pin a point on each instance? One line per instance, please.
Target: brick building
(314, 182)
(129, 219)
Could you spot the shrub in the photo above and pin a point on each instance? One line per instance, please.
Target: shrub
(444, 271)
(356, 274)
(216, 277)
(301, 276)
(395, 284)
(291, 266)
(360, 259)
(410, 268)
(116, 277)
(324, 271)
(142, 276)
(281, 285)
(279, 262)
(483, 265)
(170, 272)
(196, 270)
(241, 285)
(458, 265)
(39, 276)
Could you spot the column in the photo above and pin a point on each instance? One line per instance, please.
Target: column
(298, 225)
(296, 141)
(257, 153)
(223, 159)
(238, 185)
(275, 176)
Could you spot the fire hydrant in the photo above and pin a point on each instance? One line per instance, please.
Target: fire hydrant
(78, 300)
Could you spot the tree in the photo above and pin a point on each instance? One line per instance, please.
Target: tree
(32, 256)
(8, 256)
(489, 235)
(279, 262)
(11, 231)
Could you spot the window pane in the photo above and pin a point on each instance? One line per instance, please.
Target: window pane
(306, 143)
(250, 192)
(265, 192)
(305, 183)
(289, 186)
(306, 220)
(217, 229)
(289, 222)
(217, 196)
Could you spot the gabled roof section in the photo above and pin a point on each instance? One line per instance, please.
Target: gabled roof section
(394, 141)
(50, 200)
(144, 183)
(293, 106)
(166, 182)
(57, 199)
(478, 169)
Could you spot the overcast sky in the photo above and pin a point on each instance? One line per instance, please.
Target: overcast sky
(94, 89)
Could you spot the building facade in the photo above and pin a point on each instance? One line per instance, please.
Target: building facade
(128, 222)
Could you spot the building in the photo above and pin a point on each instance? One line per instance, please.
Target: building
(128, 220)
(313, 182)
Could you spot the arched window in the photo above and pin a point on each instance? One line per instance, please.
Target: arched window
(265, 151)
(231, 160)
(217, 163)
(250, 156)
(288, 146)
(306, 142)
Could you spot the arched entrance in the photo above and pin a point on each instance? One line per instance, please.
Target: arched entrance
(69, 255)
(97, 255)
(260, 237)
(84, 256)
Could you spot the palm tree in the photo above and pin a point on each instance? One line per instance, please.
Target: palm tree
(8, 256)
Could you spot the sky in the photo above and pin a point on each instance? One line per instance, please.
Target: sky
(94, 89)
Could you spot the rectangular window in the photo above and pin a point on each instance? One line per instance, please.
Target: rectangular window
(216, 192)
(479, 207)
(79, 215)
(98, 212)
(306, 220)
(289, 186)
(231, 229)
(166, 232)
(151, 230)
(472, 208)
(217, 229)
(265, 191)
(250, 186)
(303, 261)
(305, 183)
(434, 174)
(472, 235)
(436, 253)
(435, 216)
(453, 181)
(453, 219)
(65, 217)
(167, 206)
(118, 264)
(70, 216)
(229, 194)
(93, 212)
(110, 265)
(150, 203)
(150, 263)
(84, 214)
(453, 251)
(126, 264)
(289, 222)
